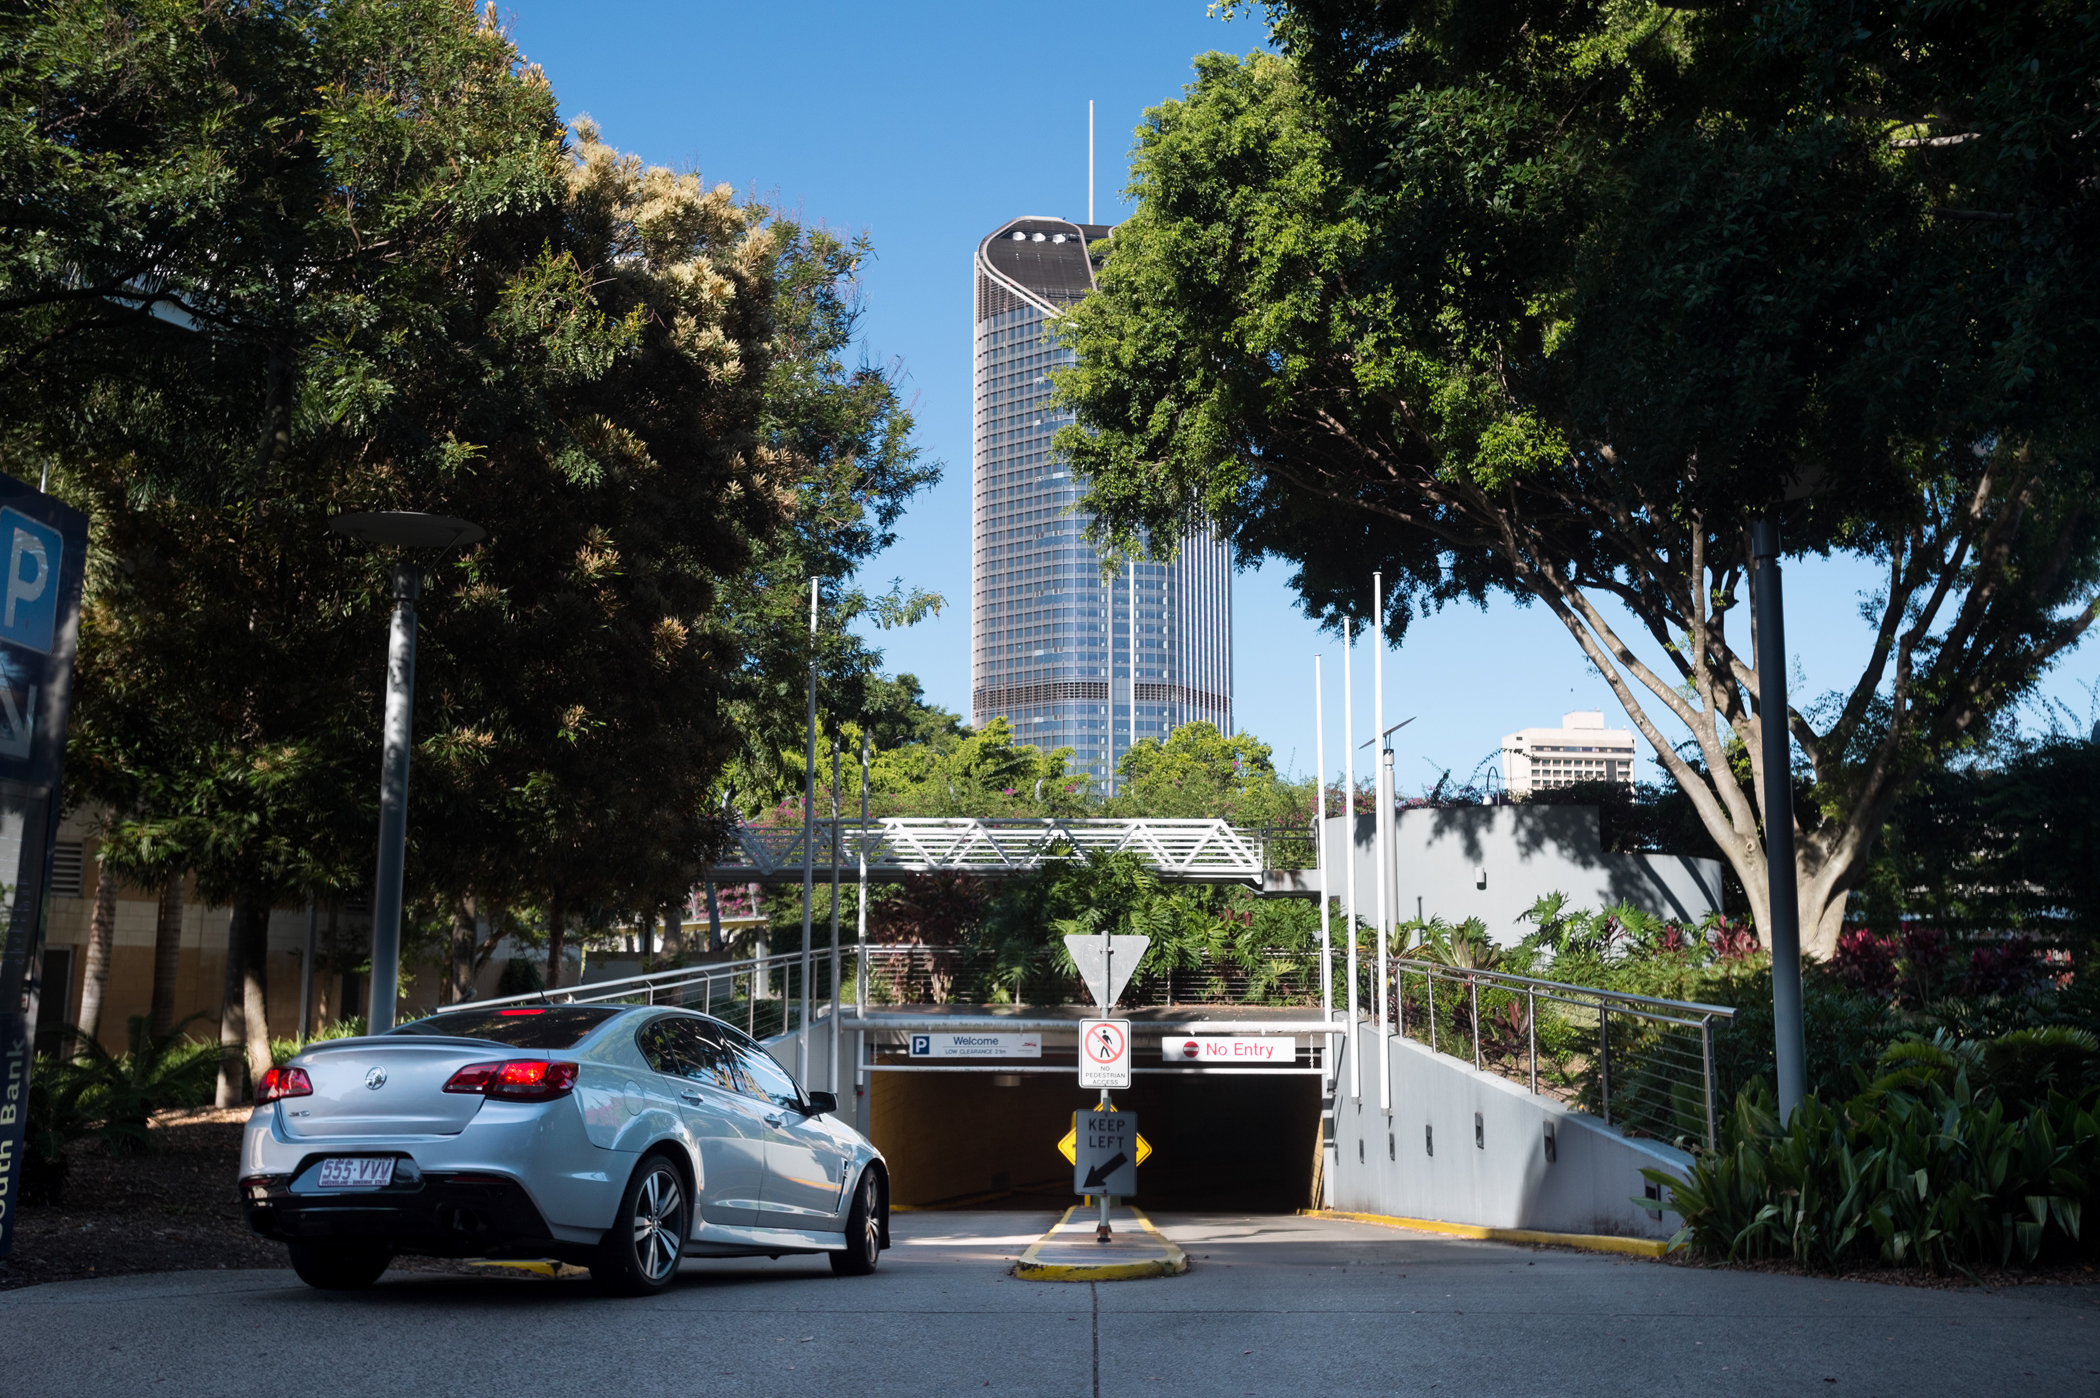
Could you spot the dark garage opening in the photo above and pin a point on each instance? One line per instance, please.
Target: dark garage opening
(1241, 1142)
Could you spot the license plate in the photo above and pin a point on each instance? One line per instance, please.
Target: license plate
(357, 1172)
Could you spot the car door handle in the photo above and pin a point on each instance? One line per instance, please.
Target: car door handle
(691, 1096)
(775, 1119)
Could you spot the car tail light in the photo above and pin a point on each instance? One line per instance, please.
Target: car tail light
(532, 1080)
(472, 1078)
(520, 1080)
(283, 1082)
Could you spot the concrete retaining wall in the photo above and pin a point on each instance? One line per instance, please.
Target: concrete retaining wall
(1490, 1165)
(1494, 862)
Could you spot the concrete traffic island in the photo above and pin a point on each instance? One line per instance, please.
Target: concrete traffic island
(1070, 1253)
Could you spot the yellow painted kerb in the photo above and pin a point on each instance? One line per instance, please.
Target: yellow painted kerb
(1591, 1242)
(1170, 1262)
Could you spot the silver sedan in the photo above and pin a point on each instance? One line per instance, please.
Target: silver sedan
(616, 1137)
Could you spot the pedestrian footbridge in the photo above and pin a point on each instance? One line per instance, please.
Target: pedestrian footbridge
(1182, 851)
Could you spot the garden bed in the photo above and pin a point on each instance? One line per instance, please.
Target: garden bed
(173, 1210)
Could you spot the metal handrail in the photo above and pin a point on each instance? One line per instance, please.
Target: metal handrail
(1689, 1014)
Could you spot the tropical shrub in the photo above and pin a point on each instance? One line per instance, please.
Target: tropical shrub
(1920, 1169)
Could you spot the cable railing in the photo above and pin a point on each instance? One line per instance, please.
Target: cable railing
(1644, 1065)
(761, 993)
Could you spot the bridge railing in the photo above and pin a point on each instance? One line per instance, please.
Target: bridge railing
(1192, 850)
(1643, 1064)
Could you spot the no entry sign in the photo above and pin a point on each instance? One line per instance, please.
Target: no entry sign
(1104, 1053)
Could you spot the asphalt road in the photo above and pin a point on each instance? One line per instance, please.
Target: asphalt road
(1271, 1305)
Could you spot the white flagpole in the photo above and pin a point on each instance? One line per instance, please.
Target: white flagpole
(1384, 827)
(1320, 854)
(1349, 846)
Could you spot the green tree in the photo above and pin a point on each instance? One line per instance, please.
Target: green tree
(413, 291)
(1554, 302)
(1197, 773)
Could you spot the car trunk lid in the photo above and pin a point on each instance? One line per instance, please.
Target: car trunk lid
(389, 1087)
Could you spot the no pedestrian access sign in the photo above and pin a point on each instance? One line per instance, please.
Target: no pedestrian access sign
(1104, 1053)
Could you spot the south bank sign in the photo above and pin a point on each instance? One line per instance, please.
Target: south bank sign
(43, 547)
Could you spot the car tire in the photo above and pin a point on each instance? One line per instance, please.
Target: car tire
(639, 1254)
(863, 1250)
(339, 1268)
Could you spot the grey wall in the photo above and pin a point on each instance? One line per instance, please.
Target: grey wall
(1503, 1181)
(1494, 862)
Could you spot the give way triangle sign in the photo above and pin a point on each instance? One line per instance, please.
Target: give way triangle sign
(1105, 962)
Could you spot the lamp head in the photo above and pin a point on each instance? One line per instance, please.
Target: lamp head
(408, 529)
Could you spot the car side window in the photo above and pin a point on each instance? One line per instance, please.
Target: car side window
(659, 1042)
(771, 1080)
(708, 1057)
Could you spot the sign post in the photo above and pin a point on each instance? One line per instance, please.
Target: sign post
(43, 546)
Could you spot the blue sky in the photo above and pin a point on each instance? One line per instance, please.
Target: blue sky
(928, 124)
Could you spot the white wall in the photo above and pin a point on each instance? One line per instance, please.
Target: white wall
(1494, 862)
(1502, 1180)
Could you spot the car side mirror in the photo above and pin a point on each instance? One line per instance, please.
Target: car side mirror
(822, 1102)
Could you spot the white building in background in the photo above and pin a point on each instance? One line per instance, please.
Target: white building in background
(1582, 749)
(1069, 659)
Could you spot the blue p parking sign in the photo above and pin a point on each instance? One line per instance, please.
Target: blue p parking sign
(29, 598)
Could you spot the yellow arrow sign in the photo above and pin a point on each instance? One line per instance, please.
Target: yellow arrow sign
(1068, 1144)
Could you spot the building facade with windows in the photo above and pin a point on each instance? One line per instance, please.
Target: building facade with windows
(1582, 749)
(1068, 657)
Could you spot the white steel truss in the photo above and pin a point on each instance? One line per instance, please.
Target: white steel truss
(1185, 851)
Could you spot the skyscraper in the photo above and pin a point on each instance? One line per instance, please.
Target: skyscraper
(1069, 658)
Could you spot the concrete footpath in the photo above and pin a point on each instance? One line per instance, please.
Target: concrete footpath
(1270, 1305)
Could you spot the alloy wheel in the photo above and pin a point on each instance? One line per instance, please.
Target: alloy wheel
(659, 1224)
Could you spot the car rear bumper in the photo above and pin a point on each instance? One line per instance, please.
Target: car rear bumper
(432, 1214)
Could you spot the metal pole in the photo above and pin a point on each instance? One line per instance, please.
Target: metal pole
(1356, 1077)
(1531, 1031)
(393, 802)
(809, 844)
(831, 1079)
(1604, 1055)
(1475, 980)
(1102, 1231)
(1320, 854)
(1429, 989)
(860, 935)
(1706, 1056)
(1384, 828)
(306, 972)
(1768, 613)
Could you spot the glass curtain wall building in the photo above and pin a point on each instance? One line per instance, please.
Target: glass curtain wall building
(1069, 658)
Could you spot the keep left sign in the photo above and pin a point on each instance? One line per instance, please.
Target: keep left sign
(29, 596)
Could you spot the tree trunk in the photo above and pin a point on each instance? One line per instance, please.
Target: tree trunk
(233, 1022)
(554, 948)
(461, 985)
(674, 931)
(102, 930)
(714, 919)
(255, 952)
(645, 935)
(167, 956)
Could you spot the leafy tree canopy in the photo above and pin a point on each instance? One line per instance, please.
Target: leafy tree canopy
(1555, 301)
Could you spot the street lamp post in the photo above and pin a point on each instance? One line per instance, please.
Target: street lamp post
(397, 529)
(1789, 1048)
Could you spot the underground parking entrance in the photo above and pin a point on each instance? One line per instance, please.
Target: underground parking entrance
(988, 1138)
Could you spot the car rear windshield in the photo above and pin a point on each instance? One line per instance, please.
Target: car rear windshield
(521, 1026)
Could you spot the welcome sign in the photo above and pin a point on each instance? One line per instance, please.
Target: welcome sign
(43, 547)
